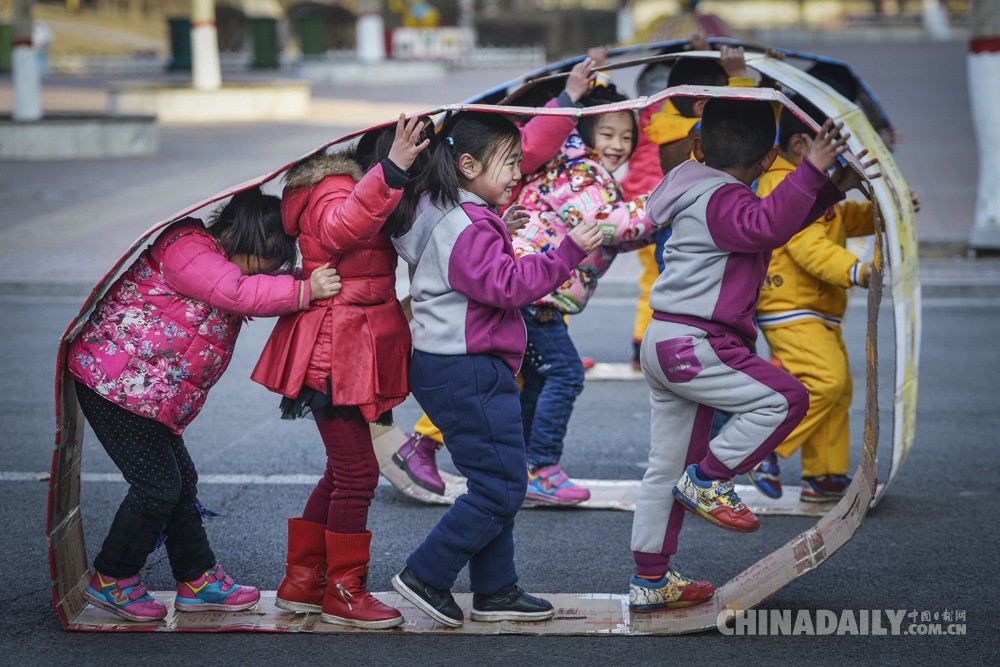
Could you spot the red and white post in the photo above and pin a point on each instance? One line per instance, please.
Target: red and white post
(984, 94)
(205, 69)
(25, 77)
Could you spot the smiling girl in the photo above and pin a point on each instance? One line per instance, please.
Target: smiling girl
(468, 343)
(576, 187)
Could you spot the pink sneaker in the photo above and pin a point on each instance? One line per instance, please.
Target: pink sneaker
(214, 591)
(126, 598)
(551, 485)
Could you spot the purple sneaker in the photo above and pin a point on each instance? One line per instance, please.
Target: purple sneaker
(126, 598)
(551, 485)
(416, 458)
(214, 591)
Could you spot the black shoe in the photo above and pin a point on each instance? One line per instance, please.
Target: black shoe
(510, 604)
(434, 602)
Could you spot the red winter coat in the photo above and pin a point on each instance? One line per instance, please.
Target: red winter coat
(355, 346)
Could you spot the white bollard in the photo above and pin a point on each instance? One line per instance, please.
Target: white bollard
(27, 83)
(370, 38)
(206, 71)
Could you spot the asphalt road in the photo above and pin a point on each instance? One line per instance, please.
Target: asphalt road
(928, 546)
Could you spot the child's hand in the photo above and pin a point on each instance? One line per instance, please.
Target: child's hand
(828, 145)
(891, 136)
(579, 79)
(587, 235)
(733, 61)
(515, 217)
(599, 54)
(846, 179)
(698, 40)
(324, 283)
(405, 149)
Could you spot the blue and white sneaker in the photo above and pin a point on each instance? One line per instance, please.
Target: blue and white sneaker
(766, 476)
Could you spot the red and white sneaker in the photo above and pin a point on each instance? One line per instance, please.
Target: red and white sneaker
(715, 501)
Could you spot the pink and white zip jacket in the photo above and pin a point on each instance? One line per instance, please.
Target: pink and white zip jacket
(568, 190)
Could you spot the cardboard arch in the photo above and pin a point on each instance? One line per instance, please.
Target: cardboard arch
(606, 614)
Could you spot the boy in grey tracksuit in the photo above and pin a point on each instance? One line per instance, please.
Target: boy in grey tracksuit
(696, 354)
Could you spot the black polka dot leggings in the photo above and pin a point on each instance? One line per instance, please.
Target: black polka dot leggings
(162, 493)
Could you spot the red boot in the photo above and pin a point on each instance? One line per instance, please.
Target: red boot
(305, 568)
(347, 600)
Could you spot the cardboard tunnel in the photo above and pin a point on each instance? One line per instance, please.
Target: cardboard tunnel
(603, 614)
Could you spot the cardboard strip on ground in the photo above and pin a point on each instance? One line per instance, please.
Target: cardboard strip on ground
(605, 494)
(602, 614)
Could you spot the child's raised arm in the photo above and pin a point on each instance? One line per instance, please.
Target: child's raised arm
(543, 136)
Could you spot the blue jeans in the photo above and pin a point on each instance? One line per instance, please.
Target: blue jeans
(473, 400)
(552, 375)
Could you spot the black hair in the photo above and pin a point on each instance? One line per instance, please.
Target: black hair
(789, 125)
(736, 133)
(604, 95)
(250, 224)
(694, 72)
(838, 77)
(477, 133)
(372, 148)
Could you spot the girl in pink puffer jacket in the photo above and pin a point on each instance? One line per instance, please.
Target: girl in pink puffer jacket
(143, 363)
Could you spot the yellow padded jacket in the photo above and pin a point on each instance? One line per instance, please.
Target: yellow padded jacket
(809, 276)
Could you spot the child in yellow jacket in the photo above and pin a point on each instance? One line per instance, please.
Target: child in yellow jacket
(801, 306)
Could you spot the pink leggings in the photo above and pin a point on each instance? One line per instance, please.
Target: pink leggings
(343, 495)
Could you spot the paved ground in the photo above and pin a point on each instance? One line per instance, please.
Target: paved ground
(61, 225)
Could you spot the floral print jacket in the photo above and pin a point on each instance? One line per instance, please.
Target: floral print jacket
(570, 189)
(164, 332)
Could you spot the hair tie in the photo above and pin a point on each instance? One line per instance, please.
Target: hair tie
(451, 140)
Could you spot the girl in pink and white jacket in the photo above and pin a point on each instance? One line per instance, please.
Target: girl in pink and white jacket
(144, 362)
(577, 186)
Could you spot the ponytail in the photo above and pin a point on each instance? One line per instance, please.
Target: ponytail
(250, 224)
(372, 148)
(477, 133)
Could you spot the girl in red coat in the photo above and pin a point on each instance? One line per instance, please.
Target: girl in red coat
(345, 361)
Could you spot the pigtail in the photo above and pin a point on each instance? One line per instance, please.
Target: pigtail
(372, 148)
(439, 179)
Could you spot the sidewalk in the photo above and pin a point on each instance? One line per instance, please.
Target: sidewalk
(64, 224)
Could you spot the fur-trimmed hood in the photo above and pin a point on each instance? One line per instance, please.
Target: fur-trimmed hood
(302, 181)
(316, 167)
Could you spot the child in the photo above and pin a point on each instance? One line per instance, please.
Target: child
(665, 142)
(576, 186)
(469, 341)
(345, 362)
(541, 139)
(695, 354)
(801, 306)
(143, 364)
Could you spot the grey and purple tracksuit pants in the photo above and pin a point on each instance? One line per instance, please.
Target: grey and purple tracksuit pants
(691, 374)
